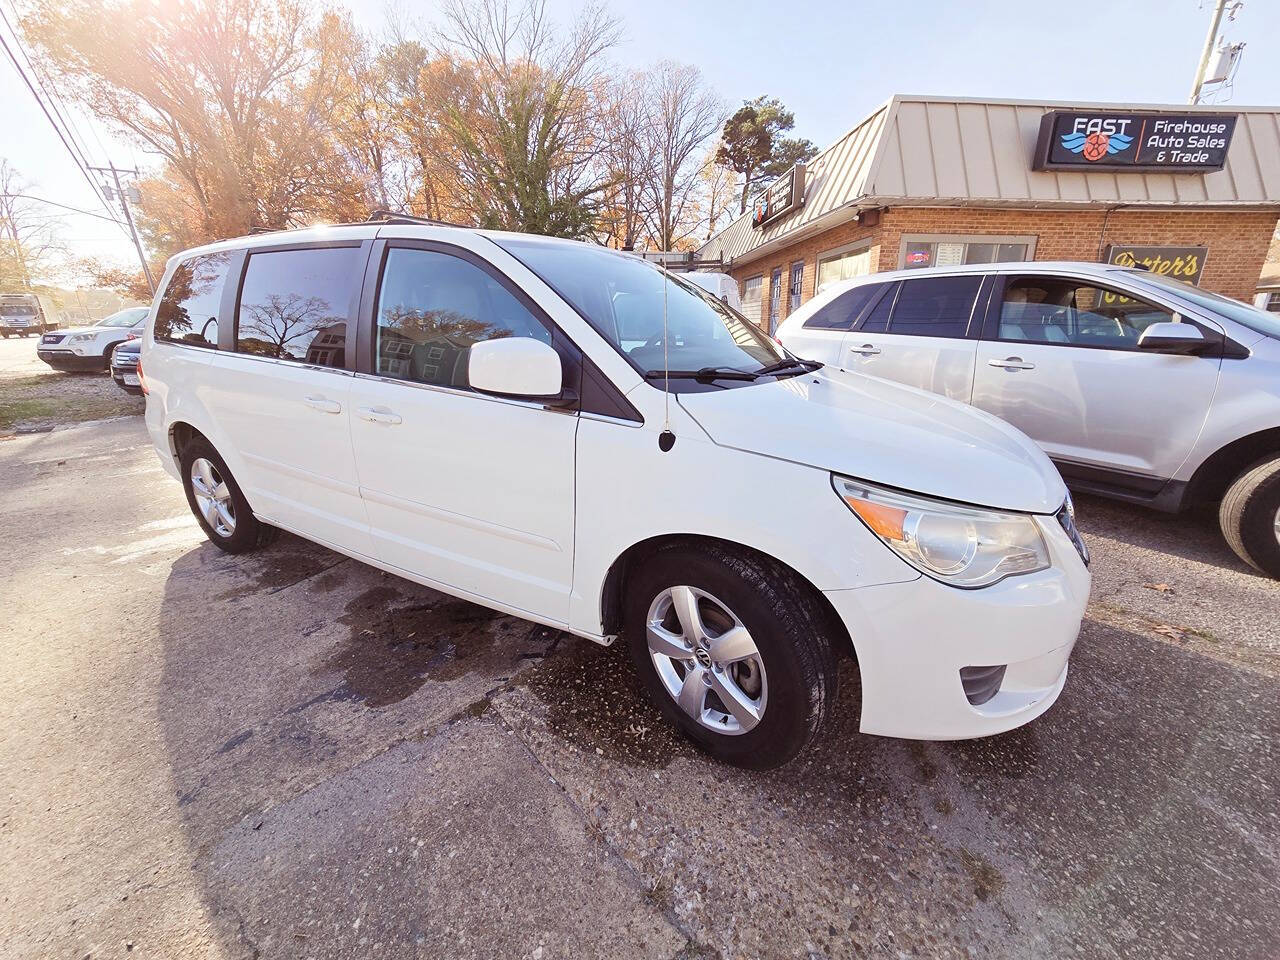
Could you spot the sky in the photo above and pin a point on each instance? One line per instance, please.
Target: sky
(830, 62)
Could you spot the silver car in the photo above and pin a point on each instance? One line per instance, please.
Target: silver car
(1139, 387)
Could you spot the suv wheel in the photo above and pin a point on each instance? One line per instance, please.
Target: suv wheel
(1250, 517)
(217, 502)
(734, 648)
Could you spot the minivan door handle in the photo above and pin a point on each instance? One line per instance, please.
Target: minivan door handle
(322, 404)
(378, 415)
(1012, 363)
(867, 350)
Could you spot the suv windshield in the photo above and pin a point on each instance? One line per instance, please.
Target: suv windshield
(621, 297)
(129, 317)
(1257, 320)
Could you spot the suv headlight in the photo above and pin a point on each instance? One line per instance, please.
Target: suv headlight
(82, 337)
(958, 545)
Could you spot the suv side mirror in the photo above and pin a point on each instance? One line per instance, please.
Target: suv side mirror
(515, 367)
(1172, 338)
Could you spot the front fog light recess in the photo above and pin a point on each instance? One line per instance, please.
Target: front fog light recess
(956, 544)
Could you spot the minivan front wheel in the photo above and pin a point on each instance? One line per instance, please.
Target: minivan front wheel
(217, 501)
(1250, 517)
(734, 649)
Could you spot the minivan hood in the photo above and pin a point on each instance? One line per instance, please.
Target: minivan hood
(885, 433)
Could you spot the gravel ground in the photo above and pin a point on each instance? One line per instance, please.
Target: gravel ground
(289, 754)
(35, 398)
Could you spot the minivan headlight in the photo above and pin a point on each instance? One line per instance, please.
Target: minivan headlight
(959, 545)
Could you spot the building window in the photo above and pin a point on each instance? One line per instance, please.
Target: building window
(919, 251)
(841, 265)
(793, 291)
(751, 290)
(1273, 302)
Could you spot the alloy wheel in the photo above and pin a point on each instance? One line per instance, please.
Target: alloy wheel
(706, 660)
(213, 497)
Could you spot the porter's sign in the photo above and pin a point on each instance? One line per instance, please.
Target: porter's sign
(1133, 142)
(1181, 263)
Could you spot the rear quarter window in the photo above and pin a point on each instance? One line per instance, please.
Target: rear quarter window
(841, 312)
(188, 311)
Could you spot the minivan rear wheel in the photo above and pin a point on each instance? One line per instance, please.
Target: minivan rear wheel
(217, 501)
(734, 648)
(1250, 517)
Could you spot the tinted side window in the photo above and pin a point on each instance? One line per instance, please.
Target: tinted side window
(935, 306)
(432, 307)
(841, 312)
(188, 311)
(877, 321)
(294, 304)
(1058, 310)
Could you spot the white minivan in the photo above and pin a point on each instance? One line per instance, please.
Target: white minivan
(566, 434)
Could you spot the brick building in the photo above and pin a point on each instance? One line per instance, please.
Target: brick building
(928, 181)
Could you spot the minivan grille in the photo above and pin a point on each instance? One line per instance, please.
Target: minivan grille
(1069, 525)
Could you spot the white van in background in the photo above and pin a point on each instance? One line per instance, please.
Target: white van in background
(721, 285)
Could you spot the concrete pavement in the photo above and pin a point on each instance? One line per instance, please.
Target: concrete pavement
(289, 754)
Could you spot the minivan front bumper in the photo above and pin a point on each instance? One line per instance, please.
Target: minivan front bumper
(913, 639)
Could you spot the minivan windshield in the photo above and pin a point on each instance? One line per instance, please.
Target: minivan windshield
(1257, 320)
(128, 317)
(621, 297)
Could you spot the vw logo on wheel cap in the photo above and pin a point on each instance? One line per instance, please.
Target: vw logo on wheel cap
(703, 656)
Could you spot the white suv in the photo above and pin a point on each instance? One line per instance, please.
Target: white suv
(90, 348)
(1139, 387)
(488, 414)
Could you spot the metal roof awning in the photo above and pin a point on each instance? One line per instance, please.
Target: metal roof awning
(950, 152)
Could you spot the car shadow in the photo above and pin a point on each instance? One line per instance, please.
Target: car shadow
(1194, 535)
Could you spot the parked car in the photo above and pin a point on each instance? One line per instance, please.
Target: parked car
(26, 313)
(1140, 387)
(718, 285)
(89, 348)
(462, 408)
(124, 365)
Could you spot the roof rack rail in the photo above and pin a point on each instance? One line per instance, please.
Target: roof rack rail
(390, 216)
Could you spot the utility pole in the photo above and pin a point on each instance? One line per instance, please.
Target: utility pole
(128, 215)
(1218, 9)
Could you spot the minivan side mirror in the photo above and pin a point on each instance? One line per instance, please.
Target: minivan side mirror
(1172, 338)
(515, 367)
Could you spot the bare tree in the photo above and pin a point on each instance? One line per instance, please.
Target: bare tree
(526, 128)
(684, 115)
(29, 243)
(628, 162)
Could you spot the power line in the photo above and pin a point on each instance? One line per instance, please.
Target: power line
(57, 129)
(54, 203)
(51, 96)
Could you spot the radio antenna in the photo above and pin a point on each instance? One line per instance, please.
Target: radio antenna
(666, 439)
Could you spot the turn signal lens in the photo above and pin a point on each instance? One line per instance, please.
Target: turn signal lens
(142, 381)
(956, 544)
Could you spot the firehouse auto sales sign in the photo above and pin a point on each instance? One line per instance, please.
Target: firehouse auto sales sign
(1134, 142)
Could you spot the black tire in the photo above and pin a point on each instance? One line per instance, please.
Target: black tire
(1248, 516)
(788, 624)
(249, 533)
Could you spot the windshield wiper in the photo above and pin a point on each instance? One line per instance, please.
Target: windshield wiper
(790, 365)
(705, 373)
